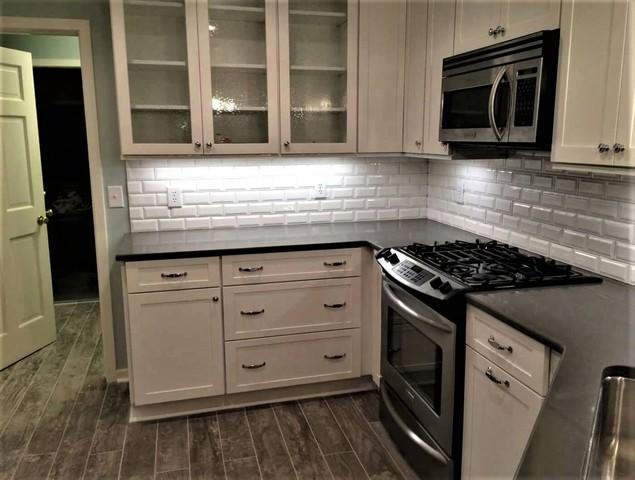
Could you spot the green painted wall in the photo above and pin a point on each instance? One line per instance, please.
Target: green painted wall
(44, 46)
(97, 12)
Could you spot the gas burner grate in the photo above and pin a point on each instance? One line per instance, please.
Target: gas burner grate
(492, 264)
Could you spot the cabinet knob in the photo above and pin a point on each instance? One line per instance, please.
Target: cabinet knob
(418, 143)
(209, 144)
(197, 144)
(287, 143)
(491, 32)
(500, 30)
(603, 147)
(215, 299)
(618, 148)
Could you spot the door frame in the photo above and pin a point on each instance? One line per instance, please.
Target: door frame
(81, 29)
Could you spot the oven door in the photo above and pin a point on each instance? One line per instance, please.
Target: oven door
(476, 106)
(418, 360)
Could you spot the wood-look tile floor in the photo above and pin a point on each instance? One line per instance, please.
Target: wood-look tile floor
(60, 420)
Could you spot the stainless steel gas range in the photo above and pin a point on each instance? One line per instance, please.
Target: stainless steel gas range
(423, 338)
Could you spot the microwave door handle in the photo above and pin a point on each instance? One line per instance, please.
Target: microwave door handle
(400, 303)
(429, 449)
(492, 97)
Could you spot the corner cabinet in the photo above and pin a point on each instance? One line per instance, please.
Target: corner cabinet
(596, 65)
(196, 77)
(479, 23)
(318, 75)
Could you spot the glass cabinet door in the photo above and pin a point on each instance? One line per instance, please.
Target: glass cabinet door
(156, 65)
(239, 91)
(318, 68)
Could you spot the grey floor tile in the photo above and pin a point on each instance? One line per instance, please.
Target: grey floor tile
(103, 466)
(235, 435)
(242, 469)
(368, 404)
(325, 428)
(172, 445)
(345, 466)
(183, 474)
(139, 451)
(206, 458)
(271, 451)
(113, 419)
(33, 467)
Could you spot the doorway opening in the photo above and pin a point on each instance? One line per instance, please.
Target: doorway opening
(64, 158)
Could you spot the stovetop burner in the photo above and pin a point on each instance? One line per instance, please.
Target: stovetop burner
(486, 265)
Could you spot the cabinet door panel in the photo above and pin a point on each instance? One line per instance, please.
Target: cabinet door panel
(318, 76)
(239, 58)
(498, 420)
(155, 47)
(382, 31)
(522, 17)
(474, 18)
(626, 121)
(176, 345)
(440, 45)
(414, 100)
(591, 52)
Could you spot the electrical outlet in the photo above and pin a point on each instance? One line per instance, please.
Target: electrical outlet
(319, 191)
(115, 196)
(175, 199)
(460, 193)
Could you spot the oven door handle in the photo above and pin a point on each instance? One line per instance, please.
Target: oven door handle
(429, 449)
(402, 305)
(492, 98)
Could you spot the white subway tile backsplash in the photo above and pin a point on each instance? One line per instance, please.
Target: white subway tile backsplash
(521, 201)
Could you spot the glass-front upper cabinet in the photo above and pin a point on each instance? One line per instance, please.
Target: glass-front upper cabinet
(157, 76)
(318, 75)
(239, 77)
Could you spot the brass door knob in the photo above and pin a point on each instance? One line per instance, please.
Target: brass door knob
(49, 213)
(42, 220)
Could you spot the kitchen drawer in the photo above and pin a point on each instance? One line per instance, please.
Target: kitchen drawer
(291, 307)
(182, 273)
(287, 360)
(516, 353)
(286, 266)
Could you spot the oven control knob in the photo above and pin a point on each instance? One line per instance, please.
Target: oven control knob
(393, 258)
(445, 287)
(436, 282)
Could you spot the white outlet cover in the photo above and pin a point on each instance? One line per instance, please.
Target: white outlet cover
(319, 191)
(175, 199)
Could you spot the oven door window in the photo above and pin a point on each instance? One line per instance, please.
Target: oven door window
(416, 357)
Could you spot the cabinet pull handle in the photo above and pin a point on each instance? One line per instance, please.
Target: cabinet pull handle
(335, 357)
(174, 275)
(491, 32)
(335, 264)
(335, 305)
(618, 148)
(492, 341)
(603, 148)
(250, 269)
(253, 366)
(500, 30)
(490, 375)
(252, 312)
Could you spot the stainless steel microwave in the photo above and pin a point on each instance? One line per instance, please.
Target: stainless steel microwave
(503, 94)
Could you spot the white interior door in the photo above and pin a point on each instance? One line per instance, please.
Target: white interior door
(27, 320)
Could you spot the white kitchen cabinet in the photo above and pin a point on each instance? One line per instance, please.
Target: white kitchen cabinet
(382, 44)
(485, 22)
(440, 43)
(415, 75)
(155, 46)
(625, 137)
(239, 76)
(175, 344)
(593, 105)
(196, 76)
(500, 413)
(318, 75)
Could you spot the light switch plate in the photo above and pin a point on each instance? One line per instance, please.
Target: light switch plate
(115, 196)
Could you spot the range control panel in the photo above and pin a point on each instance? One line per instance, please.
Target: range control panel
(413, 273)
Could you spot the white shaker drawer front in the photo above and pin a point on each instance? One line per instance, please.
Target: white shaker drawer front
(286, 266)
(182, 273)
(176, 345)
(291, 307)
(292, 360)
(519, 355)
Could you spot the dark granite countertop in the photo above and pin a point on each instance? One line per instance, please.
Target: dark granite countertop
(593, 326)
(197, 243)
